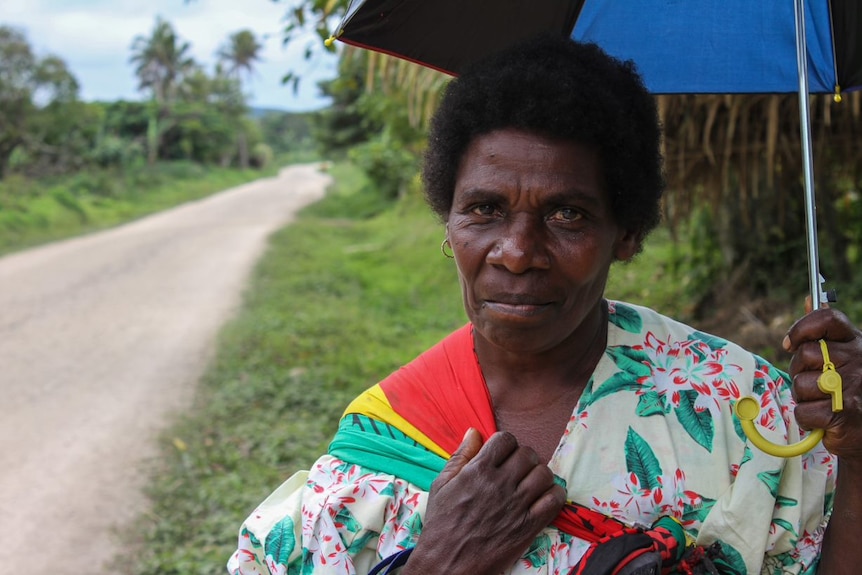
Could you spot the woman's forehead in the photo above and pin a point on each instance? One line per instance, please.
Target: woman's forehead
(513, 157)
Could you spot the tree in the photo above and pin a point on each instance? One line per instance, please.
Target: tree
(239, 55)
(29, 87)
(161, 61)
(207, 118)
(287, 131)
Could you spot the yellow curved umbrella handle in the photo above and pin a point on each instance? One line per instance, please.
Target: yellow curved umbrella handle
(748, 409)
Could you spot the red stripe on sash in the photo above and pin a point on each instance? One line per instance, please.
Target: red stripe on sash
(443, 393)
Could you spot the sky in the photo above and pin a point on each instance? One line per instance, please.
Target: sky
(94, 38)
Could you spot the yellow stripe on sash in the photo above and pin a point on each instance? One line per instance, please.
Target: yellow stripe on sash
(374, 404)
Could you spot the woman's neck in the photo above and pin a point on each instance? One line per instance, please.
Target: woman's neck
(512, 375)
(534, 395)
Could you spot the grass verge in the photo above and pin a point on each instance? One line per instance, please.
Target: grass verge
(35, 212)
(346, 294)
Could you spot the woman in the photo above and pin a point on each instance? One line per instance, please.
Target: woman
(558, 432)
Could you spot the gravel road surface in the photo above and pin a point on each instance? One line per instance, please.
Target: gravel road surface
(102, 338)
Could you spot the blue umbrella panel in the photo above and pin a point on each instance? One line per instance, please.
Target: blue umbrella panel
(691, 46)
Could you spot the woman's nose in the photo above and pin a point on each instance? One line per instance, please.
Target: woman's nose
(520, 247)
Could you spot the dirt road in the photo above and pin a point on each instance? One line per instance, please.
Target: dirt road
(101, 339)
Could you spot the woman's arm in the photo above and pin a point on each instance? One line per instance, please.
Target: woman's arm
(841, 552)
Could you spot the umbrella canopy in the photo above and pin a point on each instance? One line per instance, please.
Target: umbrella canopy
(691, 46)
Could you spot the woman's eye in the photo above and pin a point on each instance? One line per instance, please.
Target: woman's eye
(485, 210)
(566, 215)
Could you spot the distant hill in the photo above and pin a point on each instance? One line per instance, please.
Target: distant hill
(258, 113)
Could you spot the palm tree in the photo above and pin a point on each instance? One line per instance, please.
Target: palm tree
(239, 54)
(161, 61)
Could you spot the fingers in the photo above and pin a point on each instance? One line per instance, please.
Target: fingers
(523, 473)
(499, 491)
(826, 323)
(546, 507)
(803, 339)
(843, 348)
(501, 464)
(814, 408)
(809, 357)
(539, 487)
(469, 448)
(809, 307)
(805, 387)
(815, 414)
(498, 449)
(501, 451)
(470, 445)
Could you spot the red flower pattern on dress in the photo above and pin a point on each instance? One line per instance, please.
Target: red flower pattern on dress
(677, 366)
(639, 505)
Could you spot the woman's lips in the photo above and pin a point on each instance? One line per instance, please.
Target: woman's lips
(515, 307)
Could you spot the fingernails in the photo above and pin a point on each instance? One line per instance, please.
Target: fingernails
(785, 343)
(466, 434)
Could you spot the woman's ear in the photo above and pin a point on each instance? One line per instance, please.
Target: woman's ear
(628, 245)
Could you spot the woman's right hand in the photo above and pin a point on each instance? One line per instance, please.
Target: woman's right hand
(485, 508)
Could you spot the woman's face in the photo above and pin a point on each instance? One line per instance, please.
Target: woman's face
(533, 238)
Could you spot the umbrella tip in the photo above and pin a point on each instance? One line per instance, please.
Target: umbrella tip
(837, 96)
(332, 38)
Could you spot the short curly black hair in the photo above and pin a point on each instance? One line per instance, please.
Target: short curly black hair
(562, 89)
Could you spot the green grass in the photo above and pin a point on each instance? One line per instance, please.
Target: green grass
(651, 278)
(36, 212)
(346, 294)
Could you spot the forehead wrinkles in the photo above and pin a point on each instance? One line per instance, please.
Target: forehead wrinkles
(535, 184)
(507, 160)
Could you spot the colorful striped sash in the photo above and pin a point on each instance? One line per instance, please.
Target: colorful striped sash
(409, 424)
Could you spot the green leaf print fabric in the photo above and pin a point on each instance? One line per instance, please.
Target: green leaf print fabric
(653, 435)
(641, 461)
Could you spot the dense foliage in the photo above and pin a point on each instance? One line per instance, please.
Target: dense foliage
(68, 166)
(735, 177)
(188, 113)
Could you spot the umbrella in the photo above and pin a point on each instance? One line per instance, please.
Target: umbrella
(679, 46)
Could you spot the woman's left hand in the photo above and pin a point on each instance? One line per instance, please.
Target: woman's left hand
(843, 429)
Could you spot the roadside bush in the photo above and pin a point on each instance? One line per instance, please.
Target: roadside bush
(698, 259)
(15, 187)
(261, 155)
(389, 166)
(115, 151)
(99, 183)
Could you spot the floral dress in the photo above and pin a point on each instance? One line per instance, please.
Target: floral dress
(653, 435)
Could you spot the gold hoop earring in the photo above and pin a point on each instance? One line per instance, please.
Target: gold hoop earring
(443, 248)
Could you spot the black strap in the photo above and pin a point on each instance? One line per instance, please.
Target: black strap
(391, 563)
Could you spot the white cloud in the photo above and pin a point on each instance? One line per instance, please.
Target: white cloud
(94, 38)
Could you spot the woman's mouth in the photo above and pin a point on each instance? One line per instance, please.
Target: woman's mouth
(519, 306)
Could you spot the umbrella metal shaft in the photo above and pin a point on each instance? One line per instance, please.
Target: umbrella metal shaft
(807, 157)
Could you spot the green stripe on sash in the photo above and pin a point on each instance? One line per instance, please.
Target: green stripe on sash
(380, 447)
